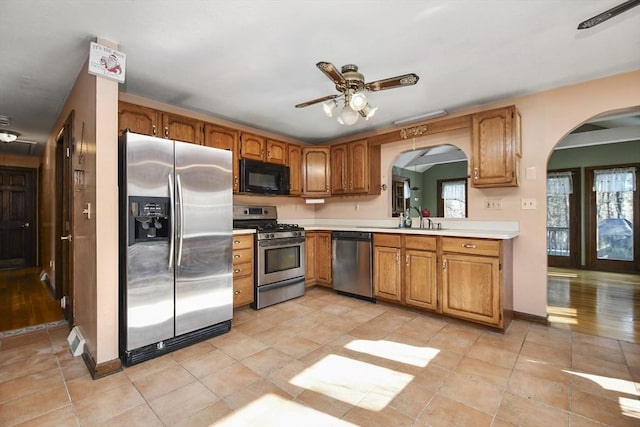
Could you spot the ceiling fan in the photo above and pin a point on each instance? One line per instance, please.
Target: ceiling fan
(351, 85)
(608, 14)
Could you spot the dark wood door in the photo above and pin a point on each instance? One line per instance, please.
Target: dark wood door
(63, 283)
(17, 217)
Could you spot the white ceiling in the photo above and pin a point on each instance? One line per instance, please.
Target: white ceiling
(252, 61)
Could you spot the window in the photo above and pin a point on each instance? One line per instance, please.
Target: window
(559, 188)
(452, 202)
(614, 213)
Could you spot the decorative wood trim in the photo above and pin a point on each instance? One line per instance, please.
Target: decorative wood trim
(445, 125)
(103, 369)
(531, 318)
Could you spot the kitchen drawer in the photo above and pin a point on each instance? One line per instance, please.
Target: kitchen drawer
(242, 270)
(389, 240)
(241, 256)
(421, 243)
(471, 246)
(242, 291)
(242, 242)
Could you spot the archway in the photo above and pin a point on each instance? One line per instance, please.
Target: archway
(593, 267)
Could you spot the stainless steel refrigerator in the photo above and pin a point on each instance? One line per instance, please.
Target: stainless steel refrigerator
(176, 210)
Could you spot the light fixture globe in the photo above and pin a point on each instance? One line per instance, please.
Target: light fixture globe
(358, 101)
(348, 116)
(7, 136)
(368, 111)
(329, 107)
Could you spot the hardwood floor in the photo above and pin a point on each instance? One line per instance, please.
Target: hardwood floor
(596, 303)
(24, 300)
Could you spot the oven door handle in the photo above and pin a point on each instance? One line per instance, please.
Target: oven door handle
(281, 242)
(272, 286)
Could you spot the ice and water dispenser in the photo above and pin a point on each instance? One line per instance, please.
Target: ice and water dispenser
(149, 219)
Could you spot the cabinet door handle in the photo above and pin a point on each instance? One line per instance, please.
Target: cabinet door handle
(397, 258)
(236, 292)
(469, 245)
(444, 264)
(475, 173)
(406, 259)
(154, 130)
(350, 185)
(268, 154)
(236, 256)
(166, 132)
(237, 270)
(235, 180)
(236, 242)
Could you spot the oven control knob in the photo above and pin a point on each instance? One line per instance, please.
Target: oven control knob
(270, 236)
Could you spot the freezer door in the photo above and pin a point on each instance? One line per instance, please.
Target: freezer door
(204, 205)
(148, 288)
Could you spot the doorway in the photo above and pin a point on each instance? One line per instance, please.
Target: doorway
(593, 244)
(17, 217)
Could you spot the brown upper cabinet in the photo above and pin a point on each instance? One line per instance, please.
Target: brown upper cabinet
(295, 169)
(256, 147)
(226, 139)
(138, 119)
(182, 128)
(355, 168)
(316, 172)
(147, 121)
(496, 148)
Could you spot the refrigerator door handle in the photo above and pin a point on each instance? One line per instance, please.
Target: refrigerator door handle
(181, 228)
(172, 222)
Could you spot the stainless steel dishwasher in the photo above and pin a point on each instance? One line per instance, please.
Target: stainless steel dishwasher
(351, 266)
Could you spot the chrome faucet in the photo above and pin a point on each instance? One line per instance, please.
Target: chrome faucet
(421, 217)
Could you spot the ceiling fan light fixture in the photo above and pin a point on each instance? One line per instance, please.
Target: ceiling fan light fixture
(358, 101)
(7, 136)
(348, 116)
(329, 107)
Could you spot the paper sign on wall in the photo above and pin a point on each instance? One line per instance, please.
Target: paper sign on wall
(106, 62)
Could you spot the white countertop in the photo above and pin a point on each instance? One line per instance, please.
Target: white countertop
(239, 231)
(503, 230)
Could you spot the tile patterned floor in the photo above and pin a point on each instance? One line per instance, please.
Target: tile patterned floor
(330, 360)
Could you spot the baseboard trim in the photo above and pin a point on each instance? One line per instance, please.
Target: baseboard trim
(103, 369)
(531, 318)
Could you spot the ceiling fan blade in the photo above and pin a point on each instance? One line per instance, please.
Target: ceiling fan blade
(390, 83)
(614, 11)
(332, 72)
(317, 100)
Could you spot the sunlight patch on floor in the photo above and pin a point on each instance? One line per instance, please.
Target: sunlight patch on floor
(629, 407)
(404, 353)
(561, 274)
(562, 315)
(354, 382)
(272, 410)
(612, 384)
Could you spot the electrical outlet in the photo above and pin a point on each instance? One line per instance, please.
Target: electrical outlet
(528, 204)
(357, 207)
(493, 204)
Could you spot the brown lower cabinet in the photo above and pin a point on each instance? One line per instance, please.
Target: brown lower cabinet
(472, 282)
(242, 270)
(318, 258)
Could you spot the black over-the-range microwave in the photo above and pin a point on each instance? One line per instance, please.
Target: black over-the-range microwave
(263, 178)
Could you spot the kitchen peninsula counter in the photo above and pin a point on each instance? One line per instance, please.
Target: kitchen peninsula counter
(502, 230)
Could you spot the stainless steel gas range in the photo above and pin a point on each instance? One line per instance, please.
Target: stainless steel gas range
(279, 255)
